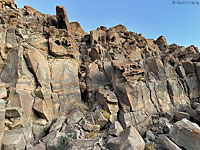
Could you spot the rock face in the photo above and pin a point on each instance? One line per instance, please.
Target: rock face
(61, 87)
(183, 128)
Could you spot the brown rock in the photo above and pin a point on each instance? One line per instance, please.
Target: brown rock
(180, 115)
(77, 29)
(56, 49)
(162, 42)
(63, 22)
(39, 65)
(44, 108)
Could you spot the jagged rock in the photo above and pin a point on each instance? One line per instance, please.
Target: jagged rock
(39, 65)
(40, 127)
(14, 141)
(57, 126)
(132, 118)
(128, 139)
(115, 129)
(74, 117)
(182, 128)
(150, 135)
(77, 29)
(109, 102)
(44, 108)
(180, 115)
(162, 42)
(166, 143)
(57, 49)
(99, 118)
(63, 22)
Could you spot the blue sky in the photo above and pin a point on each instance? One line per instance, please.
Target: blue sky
(179, 23)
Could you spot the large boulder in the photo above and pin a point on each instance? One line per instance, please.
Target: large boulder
(128, 139)
(184, 129)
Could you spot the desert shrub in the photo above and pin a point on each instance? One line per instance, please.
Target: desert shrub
(91, 135)
(150, 146)
(64, 140)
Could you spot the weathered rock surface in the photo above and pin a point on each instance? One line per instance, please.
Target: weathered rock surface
(184, 129)
(103, 87)
(128, 139)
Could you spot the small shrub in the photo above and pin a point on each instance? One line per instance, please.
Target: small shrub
(64, 140)
(91, 135)
(150, 146)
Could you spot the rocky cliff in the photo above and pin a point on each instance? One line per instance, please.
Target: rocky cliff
(62, 88)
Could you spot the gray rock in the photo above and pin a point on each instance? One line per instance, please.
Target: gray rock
(40, 146)
(166, 143)
(150, 135)
(57, 126)
(184, 129)
(115, 129)
(74, 116)
(99, 118)
(128, 139)
(14, 141)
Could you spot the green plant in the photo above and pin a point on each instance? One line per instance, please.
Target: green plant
(64, 140)
(150, 146)
(91, 135)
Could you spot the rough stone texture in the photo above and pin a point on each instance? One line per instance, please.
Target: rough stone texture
(14, 141)
(128, 139)
(167, 144)
(44, 108)
(51, 68)
(180, 115)
(184, 129)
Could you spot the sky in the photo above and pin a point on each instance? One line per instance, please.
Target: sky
(179, 23)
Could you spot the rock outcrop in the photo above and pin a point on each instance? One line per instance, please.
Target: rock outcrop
(63, 88)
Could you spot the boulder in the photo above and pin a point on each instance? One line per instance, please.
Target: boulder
(74, 116)
(128, 139)
(184, 129)
(14, 141)
(44, 108)
(166, 143)
(180, 115)
(115, 129)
